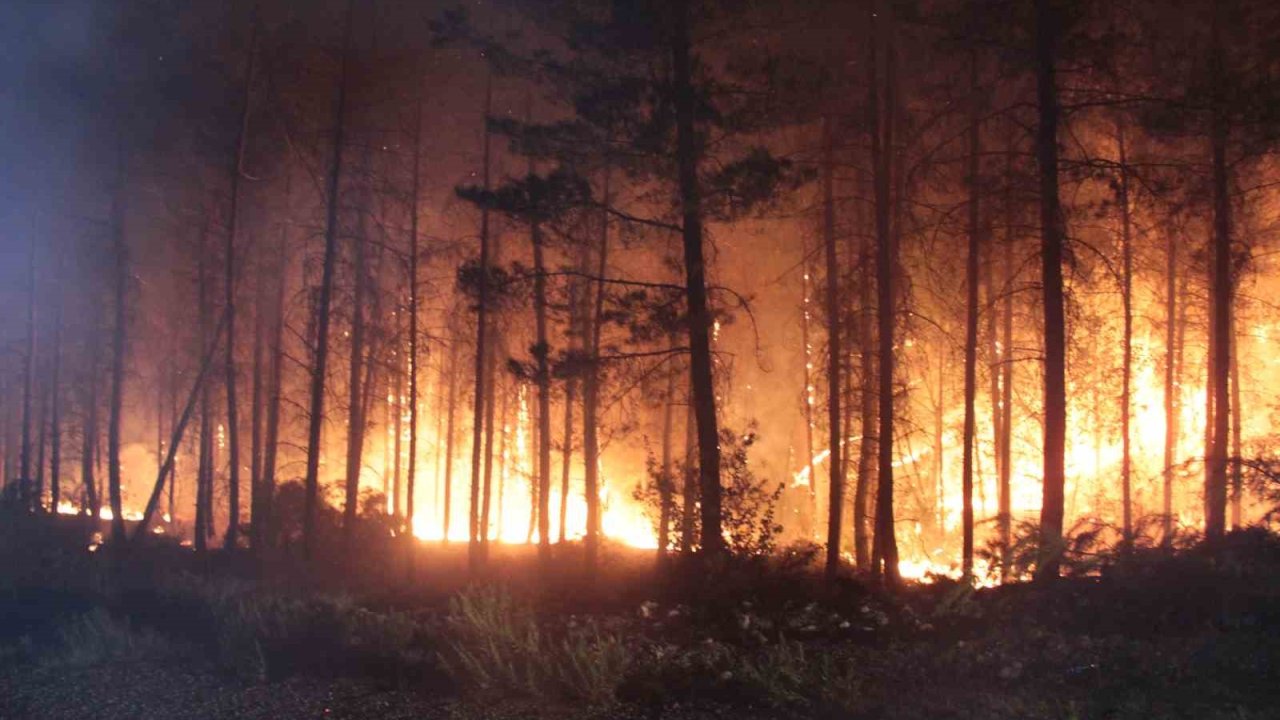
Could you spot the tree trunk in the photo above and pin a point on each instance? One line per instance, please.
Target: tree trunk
(356, 393)
(591, 393)
(55, 406)
(319, 371)
(688, 157)
(89, 433)
(482, 329)
(229, 276)
(416, 191)
(1052, 241)
(1004, 439)
(886, 554)
(664, 478)
(835, 353)
(1218, 381)
(868, 418)
(541, 351)
(570, 397)
(271, 438)
(689, 494)
(1126, 297)
(809, 511)
(1171, 402)
(25, 490)
(971, 317)
(118, 341)
(448, 451)
(1237, 474)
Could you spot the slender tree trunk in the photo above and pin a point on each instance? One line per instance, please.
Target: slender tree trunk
(1171, 402)
(55, 406)
(205, 462)
(688, 158)
(356, 392)
(868, 417)
(90, 433)
(664, 478)
(1052, 241)
(482, 329)
(886, 262)
(1126, 296)
(541, 351)
(229, 277)
(492, 384)
(315, 422)
(1237, 474)
(118, 344)
(28, 376)
(275, 392)
(1217, 385)
(1004, 441)
(591, 392)
(971, 316)
(449, 434)
(256, 408)
(835, 355)
(809, 511)
(416, 191)
(570, 398)
(689, 495)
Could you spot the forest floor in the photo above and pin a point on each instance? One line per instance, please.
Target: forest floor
(153, 633)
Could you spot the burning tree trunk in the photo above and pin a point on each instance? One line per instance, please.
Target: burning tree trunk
(229, 278)
(835, 353)
(971, 316)
(1052, 242)
(688, 157)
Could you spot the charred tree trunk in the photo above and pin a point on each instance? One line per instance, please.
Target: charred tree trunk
(55, 408)
(416, 193)
(1171, 402)
(688, 158)
(664, 478)
(1237, 472)
(1052, 242)
(25, 490)
(449, 434)
(1004, 400)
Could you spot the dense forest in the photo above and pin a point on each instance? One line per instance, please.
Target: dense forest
(892, 294)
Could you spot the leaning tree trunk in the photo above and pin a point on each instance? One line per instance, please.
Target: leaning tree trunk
(688, 158)
(1052, 242)
(319, 371)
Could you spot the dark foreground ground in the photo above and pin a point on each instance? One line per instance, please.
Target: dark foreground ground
(154, 633)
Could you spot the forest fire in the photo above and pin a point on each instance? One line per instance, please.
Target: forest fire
(825, 333)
